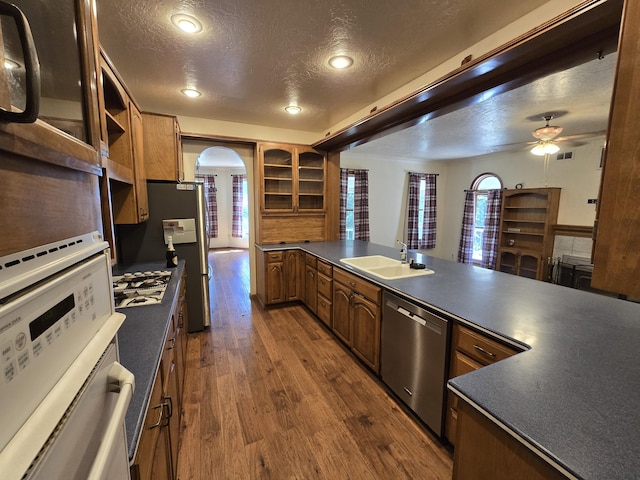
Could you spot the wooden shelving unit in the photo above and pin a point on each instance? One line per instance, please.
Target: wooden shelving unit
(526, 231)
(292, 202)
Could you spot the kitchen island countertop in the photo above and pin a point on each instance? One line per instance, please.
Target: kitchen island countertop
(573, 395)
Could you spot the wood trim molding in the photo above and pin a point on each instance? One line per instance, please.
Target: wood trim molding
(573, 230)
(568, 40)
(45, 143)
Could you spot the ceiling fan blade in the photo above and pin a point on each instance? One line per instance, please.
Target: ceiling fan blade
(581, 136)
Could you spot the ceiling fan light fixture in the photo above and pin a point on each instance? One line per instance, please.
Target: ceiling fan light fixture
(548, 132)
(544, 148)
(186, 23)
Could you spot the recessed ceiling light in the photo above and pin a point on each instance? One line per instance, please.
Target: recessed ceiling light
(10, 64)
(293, 109)
(186, 23)
(191, 92)
(341, 61)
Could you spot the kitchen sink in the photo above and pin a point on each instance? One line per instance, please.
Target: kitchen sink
(372, 261)
(385, 267)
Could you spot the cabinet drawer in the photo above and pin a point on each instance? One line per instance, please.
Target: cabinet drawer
(324, 285)
(275, 256)
(481, 348)
(311, 260)
(324, 310)
(324, 268)
(368, 290)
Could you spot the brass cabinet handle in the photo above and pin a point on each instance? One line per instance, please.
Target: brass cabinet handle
(173, 343)
(482, 350)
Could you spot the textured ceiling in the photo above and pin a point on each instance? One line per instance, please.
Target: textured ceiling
(253, 57)
(578, 97)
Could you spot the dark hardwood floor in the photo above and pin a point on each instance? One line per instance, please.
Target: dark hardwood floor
(272, 394)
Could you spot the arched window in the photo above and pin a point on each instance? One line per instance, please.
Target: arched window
(481, 186)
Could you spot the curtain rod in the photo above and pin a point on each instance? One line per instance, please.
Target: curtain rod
(352, 170)
(418, 173)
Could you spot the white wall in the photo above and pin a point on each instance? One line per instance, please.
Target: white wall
(388, 190)
(224, 197)
(579, 179)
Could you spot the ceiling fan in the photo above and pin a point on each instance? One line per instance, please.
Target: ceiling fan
(548, 139)
(545, 135)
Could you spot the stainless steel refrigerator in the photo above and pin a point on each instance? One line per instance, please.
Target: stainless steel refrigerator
(145, 242)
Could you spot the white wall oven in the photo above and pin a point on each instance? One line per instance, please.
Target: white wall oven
(63, 393)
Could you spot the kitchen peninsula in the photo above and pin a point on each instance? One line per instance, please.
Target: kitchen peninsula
(571, 396)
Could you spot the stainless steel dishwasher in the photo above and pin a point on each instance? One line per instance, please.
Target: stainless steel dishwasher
(414, 358)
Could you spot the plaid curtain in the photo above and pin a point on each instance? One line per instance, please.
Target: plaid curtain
(491, 229)
(465, 251)
(361, 204)
(344, 178)
(210, 190)
(428, 239)
(236, 219)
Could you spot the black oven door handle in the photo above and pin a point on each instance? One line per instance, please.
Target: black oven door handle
(32, 67)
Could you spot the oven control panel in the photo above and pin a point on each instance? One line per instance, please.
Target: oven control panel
(42, 331)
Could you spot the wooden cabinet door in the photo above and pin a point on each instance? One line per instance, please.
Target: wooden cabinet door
(311, 288)
(365, 321)
(172, 404)
(152, 458)
(292, 274)
(162, 147)
(342, 312)
(137, 153)
(275, 283)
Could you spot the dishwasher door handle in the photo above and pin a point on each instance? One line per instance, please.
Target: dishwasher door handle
(412, 316)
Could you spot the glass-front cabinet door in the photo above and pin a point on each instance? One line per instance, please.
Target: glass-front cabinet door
(60, 35)
(278, 179)
(311, 173)
(293, 179)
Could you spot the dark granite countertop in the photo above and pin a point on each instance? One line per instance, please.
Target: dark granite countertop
(573, 395)
(140, 342)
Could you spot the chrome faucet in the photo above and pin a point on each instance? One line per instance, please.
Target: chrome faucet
(403, 251)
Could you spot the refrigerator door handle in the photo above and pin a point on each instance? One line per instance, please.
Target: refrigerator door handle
(201, 233)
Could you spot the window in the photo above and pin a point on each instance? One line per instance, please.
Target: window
(421, 204)
(354, 204)
(421, 211)
(350, 203)
(480, 186)
(245, 208)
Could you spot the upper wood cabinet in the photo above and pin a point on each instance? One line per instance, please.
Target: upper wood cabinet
(50, 169)
(292, 179)
(526, 236)
(292, 194)
(162, 147)
(122, 149)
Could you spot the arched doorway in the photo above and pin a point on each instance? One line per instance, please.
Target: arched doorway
(225, 174)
